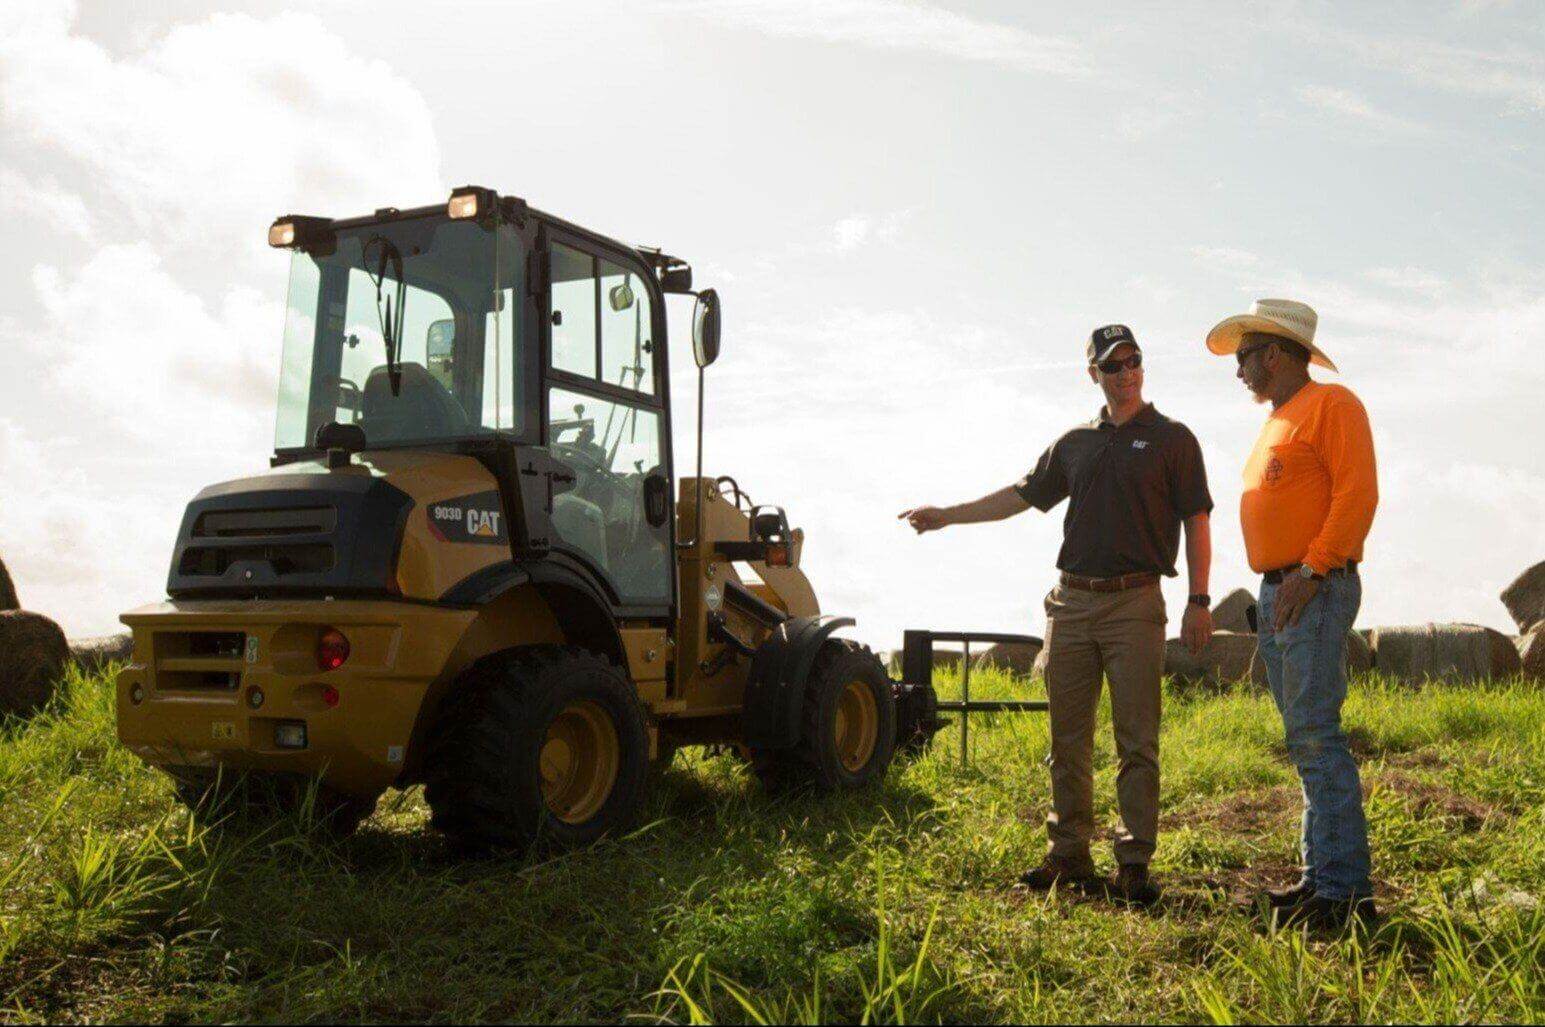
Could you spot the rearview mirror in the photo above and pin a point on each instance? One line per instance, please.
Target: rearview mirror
(440, 350)
(705, 328)
(620, 297)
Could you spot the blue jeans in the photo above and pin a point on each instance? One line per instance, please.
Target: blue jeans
(1305, 669)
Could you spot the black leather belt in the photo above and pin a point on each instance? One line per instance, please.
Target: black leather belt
(1275, 577)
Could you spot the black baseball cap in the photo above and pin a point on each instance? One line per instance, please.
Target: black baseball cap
(1105, 339)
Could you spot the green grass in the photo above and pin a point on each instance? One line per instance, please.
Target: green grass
(729, 905)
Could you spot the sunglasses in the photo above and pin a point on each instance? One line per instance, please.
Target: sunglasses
(1246, 353)
(1115, 365)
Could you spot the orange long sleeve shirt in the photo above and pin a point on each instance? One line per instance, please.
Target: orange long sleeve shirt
(1310, 483)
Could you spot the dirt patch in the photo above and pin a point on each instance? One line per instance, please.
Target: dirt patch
(1242, 813)
(1430, 798)
(1426, 758)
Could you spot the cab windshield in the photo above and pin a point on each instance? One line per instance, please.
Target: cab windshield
(442, 293)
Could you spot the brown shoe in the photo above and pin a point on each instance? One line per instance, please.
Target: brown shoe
(1133, 886)
(1077, 871)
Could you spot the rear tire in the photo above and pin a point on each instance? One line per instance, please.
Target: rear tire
(848, 725)
(543, 746)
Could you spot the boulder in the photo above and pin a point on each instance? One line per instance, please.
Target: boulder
(1229, 614)
(93, 654)
(1531, 654)
(33, 656)
(1226, 657)
(1447, 652)
(1525, 598)
(1014, 657)
(8, 600)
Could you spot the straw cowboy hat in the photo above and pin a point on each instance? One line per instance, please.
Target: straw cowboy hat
(1295, 321)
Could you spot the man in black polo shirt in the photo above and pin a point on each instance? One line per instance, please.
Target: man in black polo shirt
(1132, 477)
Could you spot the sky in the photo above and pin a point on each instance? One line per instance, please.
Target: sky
(914, 213)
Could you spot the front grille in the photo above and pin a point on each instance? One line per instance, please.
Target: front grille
(300, 558)
(306, 520)
(199, 661)
(292, 535)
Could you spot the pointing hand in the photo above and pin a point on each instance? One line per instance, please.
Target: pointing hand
(924, 518)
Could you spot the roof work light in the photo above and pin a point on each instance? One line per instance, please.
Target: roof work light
(471, 201)
(298, 230)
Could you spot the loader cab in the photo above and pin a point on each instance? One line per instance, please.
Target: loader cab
(486, 328)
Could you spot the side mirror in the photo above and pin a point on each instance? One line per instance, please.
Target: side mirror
(705, 328)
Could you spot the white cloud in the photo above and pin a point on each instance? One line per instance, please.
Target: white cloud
(900, 25)
(1225, 256)
(219, 126)
(1351, 107)
(1513, 73)
(159, 351)
(854, 231)
(1408, 278)
(46, 201)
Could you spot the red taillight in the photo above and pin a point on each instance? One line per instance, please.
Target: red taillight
(332, 649)
(330, 696)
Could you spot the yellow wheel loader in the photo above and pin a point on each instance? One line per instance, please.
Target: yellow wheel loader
(467, 566)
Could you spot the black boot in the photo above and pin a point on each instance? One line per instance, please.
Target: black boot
(1330, 915)
(1133, 886)
(1285, 898)
(1075, 871)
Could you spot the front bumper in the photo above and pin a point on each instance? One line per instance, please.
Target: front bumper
(210, 683)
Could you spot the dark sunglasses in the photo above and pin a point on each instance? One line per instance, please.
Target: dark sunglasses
(1115, 365)
(1246, 353)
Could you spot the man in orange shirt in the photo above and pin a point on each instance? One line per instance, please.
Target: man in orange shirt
(1310, 490)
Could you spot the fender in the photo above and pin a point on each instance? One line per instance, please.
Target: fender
(577, 598)
(775, 687)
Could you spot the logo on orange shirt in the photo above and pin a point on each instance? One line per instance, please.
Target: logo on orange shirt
(1273, 471)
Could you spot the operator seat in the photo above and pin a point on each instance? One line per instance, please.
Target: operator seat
(423, 408)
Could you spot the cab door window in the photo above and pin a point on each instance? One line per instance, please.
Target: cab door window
(612, 448)
(627, 330)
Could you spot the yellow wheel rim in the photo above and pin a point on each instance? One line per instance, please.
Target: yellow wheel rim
(858, 725)
(579, 762)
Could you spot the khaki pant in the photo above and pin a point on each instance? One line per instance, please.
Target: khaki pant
(1119, 635)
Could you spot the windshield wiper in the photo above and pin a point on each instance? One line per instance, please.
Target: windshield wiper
(391, 320)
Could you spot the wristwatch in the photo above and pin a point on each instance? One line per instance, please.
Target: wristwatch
(1201, 599)
(1307, 572)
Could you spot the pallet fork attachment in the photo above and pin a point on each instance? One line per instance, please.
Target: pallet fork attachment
(917, 672)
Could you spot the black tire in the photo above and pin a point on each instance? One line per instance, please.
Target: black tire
(483, 761)
(817, 761)
(251, 797)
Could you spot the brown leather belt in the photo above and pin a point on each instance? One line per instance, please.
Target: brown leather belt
(1120, 584)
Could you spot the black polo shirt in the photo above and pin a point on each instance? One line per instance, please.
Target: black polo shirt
(1128, 488)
